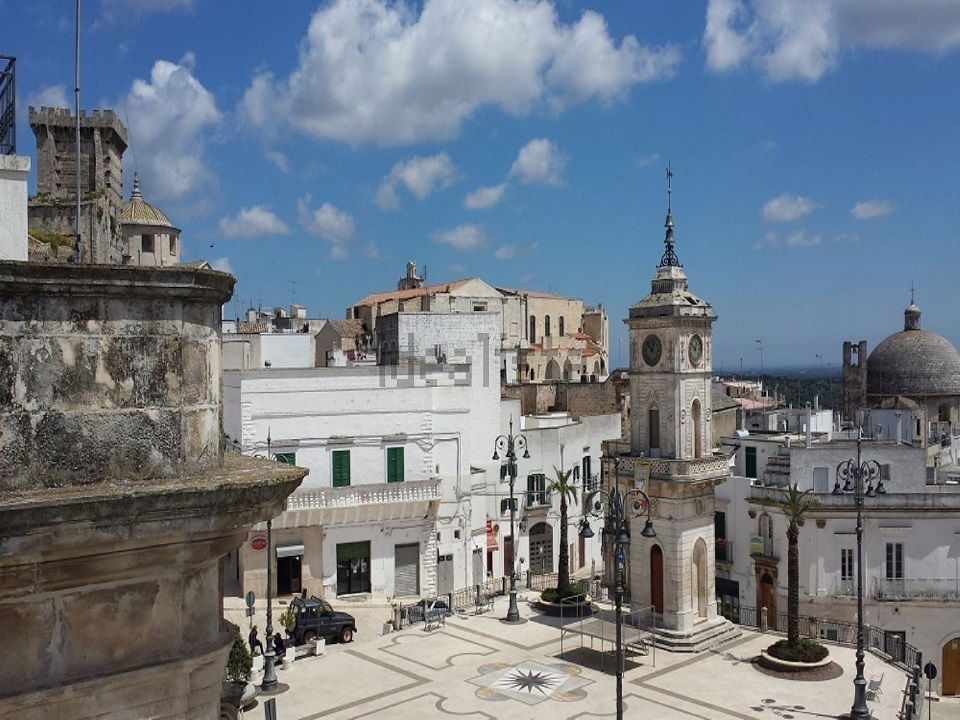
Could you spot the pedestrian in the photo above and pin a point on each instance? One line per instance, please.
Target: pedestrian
(255, 641)
(279, 647)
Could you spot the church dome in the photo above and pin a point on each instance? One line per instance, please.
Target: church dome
(913, 362)
(139, 212)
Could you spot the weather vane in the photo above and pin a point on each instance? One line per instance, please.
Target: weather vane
(669, 258)
(669, 187)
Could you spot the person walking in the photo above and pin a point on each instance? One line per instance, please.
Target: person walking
(254, 641)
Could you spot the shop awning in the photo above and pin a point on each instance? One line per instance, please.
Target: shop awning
(289, 550)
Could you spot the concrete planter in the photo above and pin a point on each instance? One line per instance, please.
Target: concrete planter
(771, 663)
(579, 609)
(319, 645)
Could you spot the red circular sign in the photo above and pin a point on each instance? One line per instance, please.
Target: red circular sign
(258, 543)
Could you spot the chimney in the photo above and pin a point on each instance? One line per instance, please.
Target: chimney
(899, 429)
(809, 422)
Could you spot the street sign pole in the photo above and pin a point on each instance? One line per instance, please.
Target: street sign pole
(250, 600)
(930, 670)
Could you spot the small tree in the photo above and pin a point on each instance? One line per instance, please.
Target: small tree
(794, 505)
(288, 620)
(240, 662)
(567, 490)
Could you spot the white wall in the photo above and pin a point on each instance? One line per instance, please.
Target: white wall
(287, 350)
(14, 170)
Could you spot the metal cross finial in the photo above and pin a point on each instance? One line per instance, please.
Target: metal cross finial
(911, 292)
(669, 186)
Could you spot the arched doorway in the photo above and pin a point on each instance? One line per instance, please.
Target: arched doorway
(768, 599)
(697, 429)
(951, 668)
(567, 369)
(656, 578)
(541, 549)
(698, 578)
(553, 370)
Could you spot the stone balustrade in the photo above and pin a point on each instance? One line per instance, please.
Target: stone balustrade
(373, 493)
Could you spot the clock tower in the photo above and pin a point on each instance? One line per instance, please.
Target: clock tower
(672, 454)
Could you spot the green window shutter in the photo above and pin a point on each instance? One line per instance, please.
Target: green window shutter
(542, 487)
(394, 464)
(287, 458)
(531, 490)
(341, 468)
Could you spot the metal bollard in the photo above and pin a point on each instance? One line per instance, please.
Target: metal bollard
(270, 709)
(763, 619)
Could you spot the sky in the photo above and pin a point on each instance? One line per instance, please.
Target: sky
(311, 149)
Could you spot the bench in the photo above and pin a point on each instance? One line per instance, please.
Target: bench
(873, 687)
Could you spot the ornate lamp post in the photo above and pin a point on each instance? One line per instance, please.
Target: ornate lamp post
(509, 444)
(858, 477)
(620, 506)
(268, 685)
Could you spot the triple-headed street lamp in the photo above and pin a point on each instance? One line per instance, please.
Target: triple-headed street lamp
(509, 445)
(620, 507)
(858, 478)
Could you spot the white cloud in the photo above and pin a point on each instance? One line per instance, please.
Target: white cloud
(787, 207)
(372, 252)
(484, 197)
(539, 161)
(420, 175)
(505, 252)
(790, 40)
(327, 222)
(463, 237)
(872, 208)
(644, 160)
(385, 72)
(255, 221)
(168, 116)
(49, 96)
(280, 160)
(801, 239)
(769, 240)
(222, 264)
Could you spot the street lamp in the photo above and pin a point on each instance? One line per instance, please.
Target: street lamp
(858, 477)
(268, 685)
(509, 444)
(620, 506)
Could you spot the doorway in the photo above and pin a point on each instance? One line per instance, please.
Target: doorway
(444, 574)
(353, 568)
(951, 668)
(541, 549)
(507, 555)
(289, 570)
(656, 578)
(406, 575)
(768, 599)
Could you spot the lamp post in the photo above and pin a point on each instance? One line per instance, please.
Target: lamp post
(858, 477)
(509, 444)
(619, 506)
(269, 683)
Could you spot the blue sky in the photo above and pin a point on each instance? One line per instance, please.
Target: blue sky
(313, 148)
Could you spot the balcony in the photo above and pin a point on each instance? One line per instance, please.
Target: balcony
(917, 589)
(724, 551)
(764, 550)
(356, 504)
(689, 470)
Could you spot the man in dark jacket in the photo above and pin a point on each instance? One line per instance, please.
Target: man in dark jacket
(255, 641)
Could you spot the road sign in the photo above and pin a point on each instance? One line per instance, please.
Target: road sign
(251, 599)
(258, 543)
(930, 671)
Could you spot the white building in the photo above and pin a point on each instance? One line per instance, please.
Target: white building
(911, 542)
(403, 497)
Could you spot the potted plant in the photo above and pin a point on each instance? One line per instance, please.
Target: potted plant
(288, 621)
(237, 689)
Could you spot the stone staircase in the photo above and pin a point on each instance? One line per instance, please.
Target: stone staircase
(704, 636)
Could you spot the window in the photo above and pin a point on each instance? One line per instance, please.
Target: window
(546, 326)
(533, 330)
(560, 321)
(173, 244)
(505, 505)
(894, 568)
(341, 468)
(654, 429)
(846, 563)
(587, 470)
(146, 243)
(479, 307)
(820, 480)
(394, 464)
(536, 489)
(287, 458)
(750, 455)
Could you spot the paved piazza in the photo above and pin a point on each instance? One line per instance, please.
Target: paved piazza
(477, 667)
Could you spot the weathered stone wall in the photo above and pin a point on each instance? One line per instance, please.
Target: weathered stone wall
(108, 373)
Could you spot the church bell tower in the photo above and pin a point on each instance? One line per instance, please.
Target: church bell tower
(672, 453)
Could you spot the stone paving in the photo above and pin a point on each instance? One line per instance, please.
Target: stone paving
(477, 667)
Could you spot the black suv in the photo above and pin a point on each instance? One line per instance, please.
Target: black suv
(315, 618)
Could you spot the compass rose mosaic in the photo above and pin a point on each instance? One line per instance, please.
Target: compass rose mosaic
(530, 682)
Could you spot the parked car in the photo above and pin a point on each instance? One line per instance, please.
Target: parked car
(315, 618)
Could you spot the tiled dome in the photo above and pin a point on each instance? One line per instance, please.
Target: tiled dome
(139, 212)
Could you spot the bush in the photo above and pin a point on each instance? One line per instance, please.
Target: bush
(806, 650)
(240, 662)
(552, 595)
(288, 620)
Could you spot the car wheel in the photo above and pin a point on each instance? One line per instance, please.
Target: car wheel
(346, 635)
(308, 637)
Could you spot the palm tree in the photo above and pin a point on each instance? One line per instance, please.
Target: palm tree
(794, 505)
(567, 490)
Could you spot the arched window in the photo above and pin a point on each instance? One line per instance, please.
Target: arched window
(533, 329)
(654, 429)
(697, 429)
(561, 325)
(546, 326)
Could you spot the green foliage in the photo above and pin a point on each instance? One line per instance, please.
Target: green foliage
(240, 662)
(804, 650)
(288, 620)
(566, 489)
(794, 505)
(55, 239)
(552, 595)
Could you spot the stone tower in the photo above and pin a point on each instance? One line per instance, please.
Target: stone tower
(854, 378)
(670, 390)
(103, 139)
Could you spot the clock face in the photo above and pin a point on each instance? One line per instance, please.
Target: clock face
(695, 350)
(651, 350)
